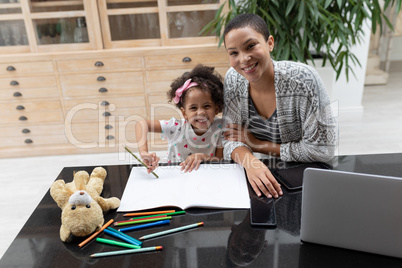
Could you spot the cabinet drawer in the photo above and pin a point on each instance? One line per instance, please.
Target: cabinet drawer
(101, 64)
(165, 77)
(79, 114)
(186, 60)
(32, 117)
(25, 106)
(24, 94)
(102, 84)
(93, 132)
(28, 82)
(110, 103)
(160, 109)
(24, 68)
(33, 141)
(29, 131)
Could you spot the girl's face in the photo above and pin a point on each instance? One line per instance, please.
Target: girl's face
(249, 53)
(199, 110)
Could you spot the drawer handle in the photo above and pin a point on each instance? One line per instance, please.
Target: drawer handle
(102, 90)
(110, 137)
(99, 64)
(108, 127)
(105, 103)
(17, 94)
(28, 141)
(14, 83)
(20, 107)
(10, 68)
(186, 59)
(101, 78)
(107, 114)
(23, 118)
(25, 131)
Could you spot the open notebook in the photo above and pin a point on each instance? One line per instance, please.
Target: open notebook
(211, 186)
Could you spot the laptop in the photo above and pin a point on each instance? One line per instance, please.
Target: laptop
(353, 211)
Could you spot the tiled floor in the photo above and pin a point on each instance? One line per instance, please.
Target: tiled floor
(24, 181)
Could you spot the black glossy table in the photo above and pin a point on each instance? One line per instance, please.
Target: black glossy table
(226, 240)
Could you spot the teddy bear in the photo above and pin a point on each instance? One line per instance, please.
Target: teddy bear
(81, 204)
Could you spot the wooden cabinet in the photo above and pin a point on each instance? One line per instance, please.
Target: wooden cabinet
(81, 73)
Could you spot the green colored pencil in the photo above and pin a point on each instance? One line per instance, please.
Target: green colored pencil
(116, 243)
(172, 230)
(140, 161)
(142, 221)
(126, 251)
(167, 214)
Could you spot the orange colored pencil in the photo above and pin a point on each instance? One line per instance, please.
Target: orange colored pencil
(145, 218)
(147, 213)
(96, 233)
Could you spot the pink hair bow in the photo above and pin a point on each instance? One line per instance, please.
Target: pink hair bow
(188, 84)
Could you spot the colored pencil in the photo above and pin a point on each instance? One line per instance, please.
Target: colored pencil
(143, 221)
(116, 243)
(172, 230)
(142, 218)
(139, 243)
(126, 251)
(146, 225)
(95, 234)
(165, 214)
(148, 213)
(140, 161)
(126, 239)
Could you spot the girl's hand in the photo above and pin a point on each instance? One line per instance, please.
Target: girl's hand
(193, 162)
(262, 180)
(151, 160)
(235, 132)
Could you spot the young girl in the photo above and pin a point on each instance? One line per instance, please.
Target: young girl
(197, 137)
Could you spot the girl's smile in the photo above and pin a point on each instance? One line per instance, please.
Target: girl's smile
(199, 110)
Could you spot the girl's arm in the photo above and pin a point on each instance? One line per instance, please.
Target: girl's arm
(142, 128)
(194, 160)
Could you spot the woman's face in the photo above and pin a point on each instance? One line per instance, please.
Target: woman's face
(249, 53)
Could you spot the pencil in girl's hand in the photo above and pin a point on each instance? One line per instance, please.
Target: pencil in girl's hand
(140, 161)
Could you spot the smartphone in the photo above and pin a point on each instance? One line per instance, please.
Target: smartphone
(262, 212)
(292, 178)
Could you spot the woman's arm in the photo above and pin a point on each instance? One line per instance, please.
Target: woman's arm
(235, 132)
(258, 174)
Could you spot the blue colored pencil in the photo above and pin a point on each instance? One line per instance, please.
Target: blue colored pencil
(146, 225)
(127, 236)
(122, 237)
(127, 251)
(123, 234)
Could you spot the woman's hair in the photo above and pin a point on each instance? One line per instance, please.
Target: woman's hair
(248, 20)
(208, 80)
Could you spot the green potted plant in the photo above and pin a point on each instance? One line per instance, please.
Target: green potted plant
(304, 29)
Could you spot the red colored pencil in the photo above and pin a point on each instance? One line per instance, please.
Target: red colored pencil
(147, 218)
(147, 213)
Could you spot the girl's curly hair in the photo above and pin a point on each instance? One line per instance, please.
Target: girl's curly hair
(208, 80)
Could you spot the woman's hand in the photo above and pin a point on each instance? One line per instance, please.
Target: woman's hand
(262, 180)
(151, 160)
(193, 162)
(235, 132)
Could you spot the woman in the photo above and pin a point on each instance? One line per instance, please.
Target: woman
(279, 108)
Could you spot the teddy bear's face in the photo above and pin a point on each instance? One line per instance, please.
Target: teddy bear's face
(82, 216)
